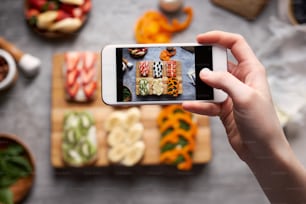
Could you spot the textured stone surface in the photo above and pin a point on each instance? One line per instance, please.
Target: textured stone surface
(25, 111)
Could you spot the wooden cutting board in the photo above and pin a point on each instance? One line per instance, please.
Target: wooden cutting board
(100, 112)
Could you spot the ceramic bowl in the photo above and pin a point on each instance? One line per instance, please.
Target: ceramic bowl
(22, 187)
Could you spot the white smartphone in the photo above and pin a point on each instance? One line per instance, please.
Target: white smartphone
(136, 74)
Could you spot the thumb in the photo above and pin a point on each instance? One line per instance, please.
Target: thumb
(225, 81)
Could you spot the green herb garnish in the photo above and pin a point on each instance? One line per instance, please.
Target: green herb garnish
(13, 166)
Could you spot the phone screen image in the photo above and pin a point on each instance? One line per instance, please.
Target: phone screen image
(163, 73)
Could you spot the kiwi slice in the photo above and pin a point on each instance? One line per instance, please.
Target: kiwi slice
(72, 136)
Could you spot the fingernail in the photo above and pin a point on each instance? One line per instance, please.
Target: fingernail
(205, 72)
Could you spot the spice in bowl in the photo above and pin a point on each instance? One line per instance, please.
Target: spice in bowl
(8, 70)
(3, 68)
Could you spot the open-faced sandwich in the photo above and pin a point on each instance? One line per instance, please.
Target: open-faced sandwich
(79, 141)
(125, 132)
(178, 131)
(80, 74)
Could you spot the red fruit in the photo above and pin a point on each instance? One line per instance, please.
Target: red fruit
(51, 5)
(37, 4)
(61, 15)
(89, 89)
(71, 10)
(72, 91)
(31, 12)
(77, 12)
(72, 59)
(89, 59)
(67, 8)
(71, 77)
(86, 7)
(87, 76)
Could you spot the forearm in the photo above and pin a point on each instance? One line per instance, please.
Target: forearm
(281, 176)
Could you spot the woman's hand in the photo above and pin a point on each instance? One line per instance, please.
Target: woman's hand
(250, 120)
(248, 114)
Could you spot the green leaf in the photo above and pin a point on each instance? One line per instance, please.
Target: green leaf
(184, 125)
(6, 196)
(167, 147)
(7, 181)
(12, 150)
(182, 141)
(179, 159)
(13, 165)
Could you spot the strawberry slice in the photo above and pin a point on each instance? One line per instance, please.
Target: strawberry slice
(72, 91)
(89, 59)
(37, 4)
(89, 89)
(72, 10)
(71, 77)
(87, 76)
(61, 15)
(86, 7)
(31, 13)
(72, 59)
(67, 8)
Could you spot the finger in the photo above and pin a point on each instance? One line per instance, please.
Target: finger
(237, 90)
(202, 108)
(235, 42)
(231, 66)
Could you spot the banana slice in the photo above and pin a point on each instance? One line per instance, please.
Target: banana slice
(45, 19)
(67, 25)
(134, 133)
(73, 2)
(116, 119)
(132, 116)
(134, 154)
(116, 136)
(117, 153)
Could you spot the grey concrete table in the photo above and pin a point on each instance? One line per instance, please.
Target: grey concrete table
(25, 111)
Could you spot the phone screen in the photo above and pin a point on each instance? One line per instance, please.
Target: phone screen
(163, 73)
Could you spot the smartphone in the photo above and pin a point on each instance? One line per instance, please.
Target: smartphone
(136, 74)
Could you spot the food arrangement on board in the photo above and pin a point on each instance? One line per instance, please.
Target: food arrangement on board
(86, 132)
(123, 136)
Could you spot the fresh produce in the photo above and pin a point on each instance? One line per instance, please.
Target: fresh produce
(173, 87)
(139, 52)
(159, 77)
(178, 132)
(125, 137)
(80, 76)
(57, 16)
(153, 27)
(166, 54)
(79, 142)
(13, 166)
(144, 87)
(157, 87)
(127, 95)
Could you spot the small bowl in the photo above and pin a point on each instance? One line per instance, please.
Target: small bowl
(22, 187)
(11, 76)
